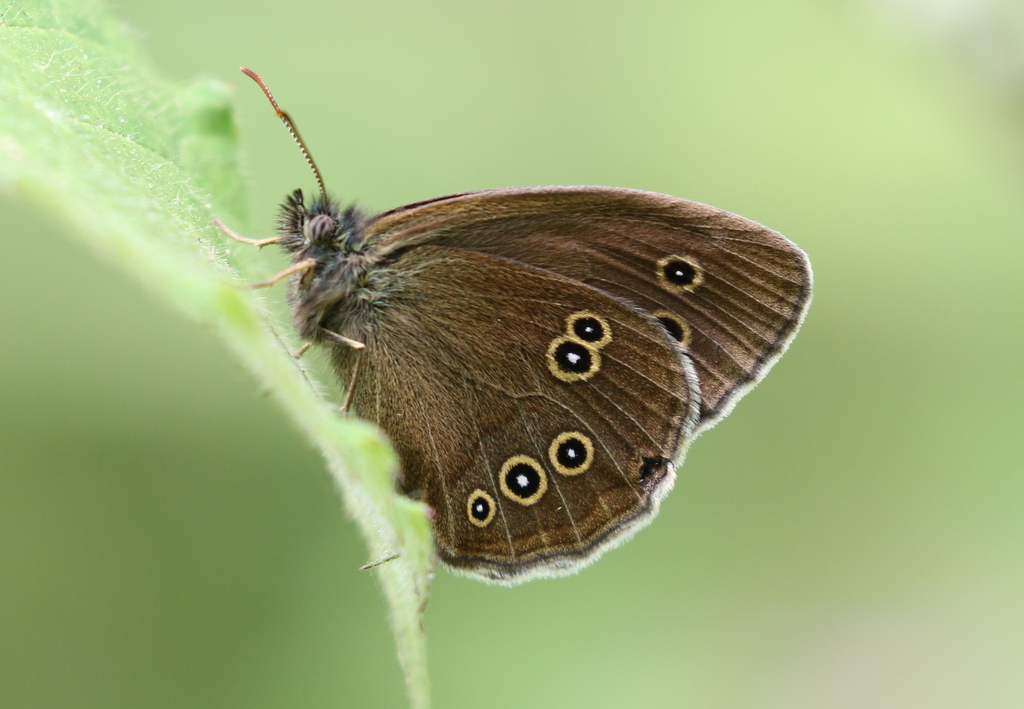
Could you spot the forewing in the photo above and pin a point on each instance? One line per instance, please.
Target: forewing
(746, 297)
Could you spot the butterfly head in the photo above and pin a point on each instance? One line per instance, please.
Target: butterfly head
(322, 228)
(319, 229)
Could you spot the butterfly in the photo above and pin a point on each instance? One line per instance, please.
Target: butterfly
(541, 357)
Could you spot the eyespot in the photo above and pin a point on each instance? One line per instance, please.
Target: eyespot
(678, 328)
(571, 453)
(523, 480)
(588, 328)
(480, 508)
(571, 360)
(680, 274)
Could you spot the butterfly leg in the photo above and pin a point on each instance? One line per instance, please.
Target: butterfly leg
(342, 340)
(302, 350)
(238, 237)
(297, 267)
(350, 389)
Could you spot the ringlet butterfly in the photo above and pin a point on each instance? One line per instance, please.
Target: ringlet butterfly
(541, 357)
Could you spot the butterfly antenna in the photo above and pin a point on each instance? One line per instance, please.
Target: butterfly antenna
(287, 120)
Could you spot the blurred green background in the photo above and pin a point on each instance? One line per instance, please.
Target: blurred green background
(852, 536)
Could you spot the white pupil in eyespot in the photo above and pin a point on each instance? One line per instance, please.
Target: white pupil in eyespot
(572, 357)
(522, 481)
(570, 452)
(479, 507)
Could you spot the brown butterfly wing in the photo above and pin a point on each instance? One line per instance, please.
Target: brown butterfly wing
(749, 287)
(463, 368)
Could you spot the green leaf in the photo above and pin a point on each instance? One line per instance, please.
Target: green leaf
(139, 168)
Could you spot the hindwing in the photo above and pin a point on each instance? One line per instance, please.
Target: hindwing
(538, 416)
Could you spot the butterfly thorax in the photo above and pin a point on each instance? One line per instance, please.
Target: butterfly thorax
(338, 292)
